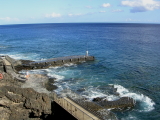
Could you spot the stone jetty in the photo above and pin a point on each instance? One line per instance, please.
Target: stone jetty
(53, 62)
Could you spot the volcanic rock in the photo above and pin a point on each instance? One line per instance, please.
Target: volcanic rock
(23, 103)
(98, 99)
(120, 104)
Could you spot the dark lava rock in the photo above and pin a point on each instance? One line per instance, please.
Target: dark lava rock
(110, 90)
(25, 65)
(50, 87)
(81, 90)
(23, 103)
(26, 61)
(49, 84)
(51, 80)
(99, 99)
(121, 104)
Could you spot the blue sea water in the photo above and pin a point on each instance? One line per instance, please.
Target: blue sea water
(127, 56)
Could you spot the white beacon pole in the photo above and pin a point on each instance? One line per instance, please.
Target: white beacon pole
(87, 53)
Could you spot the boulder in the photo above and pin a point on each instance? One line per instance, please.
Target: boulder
(120, 104)
(81, 90)
(49, 84)
(99, 99)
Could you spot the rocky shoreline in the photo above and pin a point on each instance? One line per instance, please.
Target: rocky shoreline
(33, 98)
(20, 103)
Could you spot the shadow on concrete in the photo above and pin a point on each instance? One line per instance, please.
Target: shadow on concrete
(58, 113)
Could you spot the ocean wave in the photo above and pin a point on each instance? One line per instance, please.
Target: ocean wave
(69, 64)
(25, 56)
(146, 103)
(92, 92)
(130, 117)
(58, 77)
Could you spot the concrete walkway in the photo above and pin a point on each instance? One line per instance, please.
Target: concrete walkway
(6, 62)
(10, 70)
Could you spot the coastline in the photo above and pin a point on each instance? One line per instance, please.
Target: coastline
(27, 99)
(33, 95)
(22, 103)
(26, 96)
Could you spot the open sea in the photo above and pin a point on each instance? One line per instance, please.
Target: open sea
(127, 56)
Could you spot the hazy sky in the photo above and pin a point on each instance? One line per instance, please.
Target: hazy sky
(64, 11)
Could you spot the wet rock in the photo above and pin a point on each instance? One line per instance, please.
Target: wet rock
(26, 61)
(120, 104)
(50, 87)
(99, 99)
(51, 80)
(49, 84)
(25, 65)
(109, 89)
(81, 90)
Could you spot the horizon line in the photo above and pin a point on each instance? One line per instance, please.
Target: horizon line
(83, 23)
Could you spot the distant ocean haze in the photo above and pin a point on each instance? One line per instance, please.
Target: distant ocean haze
(126, 57)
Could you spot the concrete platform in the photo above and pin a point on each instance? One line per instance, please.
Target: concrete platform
(59, 61)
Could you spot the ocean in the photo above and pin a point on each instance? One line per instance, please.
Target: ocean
(126, 56)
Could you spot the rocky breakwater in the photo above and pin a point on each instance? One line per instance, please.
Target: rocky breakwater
(123, 103)
(60, 61)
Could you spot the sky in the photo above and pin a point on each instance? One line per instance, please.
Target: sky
(79, 11)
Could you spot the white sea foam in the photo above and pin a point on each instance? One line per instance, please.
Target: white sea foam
(130, 117)
(69, 64)
(51, 72)
(28, 56)
(146, 103)
(92, 92)
(58, 77)
(36, 81)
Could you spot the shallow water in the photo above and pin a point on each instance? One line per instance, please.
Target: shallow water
(127, 56)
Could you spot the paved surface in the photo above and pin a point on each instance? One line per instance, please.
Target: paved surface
(10, 70)
(6, 62)
(63, 58)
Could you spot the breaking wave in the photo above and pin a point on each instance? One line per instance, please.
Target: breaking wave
(146, 103)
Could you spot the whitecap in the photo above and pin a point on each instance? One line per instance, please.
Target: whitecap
(58, 77)
(27, 56)
(92, 92)
(69, 64)
(130, 117)
(146, 103)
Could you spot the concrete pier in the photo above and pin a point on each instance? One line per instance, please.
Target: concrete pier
(7, 65)
(59, 61)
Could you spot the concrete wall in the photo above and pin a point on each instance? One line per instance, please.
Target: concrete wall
(1, 65)
(74, 109)
(59, 61)
(12, 61)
